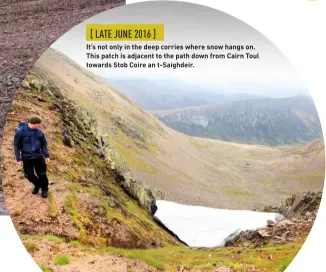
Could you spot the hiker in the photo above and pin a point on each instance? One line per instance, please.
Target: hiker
(31, 152)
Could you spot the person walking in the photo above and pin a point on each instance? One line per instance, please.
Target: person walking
(31, 152)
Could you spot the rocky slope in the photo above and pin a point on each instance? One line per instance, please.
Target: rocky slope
(177, 167)
(271, 121)
(299, 213)
(86, 201)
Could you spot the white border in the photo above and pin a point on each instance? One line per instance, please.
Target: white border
(13, 255)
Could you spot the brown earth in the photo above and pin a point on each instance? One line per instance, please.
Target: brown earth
(80, 260)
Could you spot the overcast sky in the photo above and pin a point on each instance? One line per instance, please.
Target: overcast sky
(187, 23)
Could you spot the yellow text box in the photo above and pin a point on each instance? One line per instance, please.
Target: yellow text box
(125, 32)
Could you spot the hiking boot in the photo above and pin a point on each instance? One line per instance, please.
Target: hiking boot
(35, 190)
(45, 193)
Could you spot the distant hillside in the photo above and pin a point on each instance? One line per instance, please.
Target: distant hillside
(175, 166)
(271, 121)
(172, 94)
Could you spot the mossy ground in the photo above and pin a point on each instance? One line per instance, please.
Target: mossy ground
(61, 260)
(268, 258)
(45, 268)
(30, 247)
(272, 257)
(128, 151)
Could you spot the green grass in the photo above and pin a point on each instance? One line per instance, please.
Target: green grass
(174, 256)
(53, 208)
(154, 148)
(239, 192)
(45, 268)
(75, 243)
(71, 174)
(61, 260)
(17, 213)
(143, 166)
(115, 214)
(30, 247)
(48, 99)
(18, 108)
(264, 181)
(74, 186)
(127, 151)
(48, 236)
(311, 177)
(234, 257)
(58, 138)
(70, 207)
(284, 263)
(281, 256)
(81, 158)
(202, 143)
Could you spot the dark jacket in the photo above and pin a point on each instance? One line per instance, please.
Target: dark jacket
(29, 143)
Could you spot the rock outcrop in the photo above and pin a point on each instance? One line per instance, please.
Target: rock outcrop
(299, 213)
(299, 206)
(276, 232)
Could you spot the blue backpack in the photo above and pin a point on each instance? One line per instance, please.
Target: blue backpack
(23, 125)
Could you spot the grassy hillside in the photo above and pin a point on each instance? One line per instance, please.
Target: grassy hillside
(92, 220)
(268, 258)
(271, 121)
(178, 167)
(86, 204)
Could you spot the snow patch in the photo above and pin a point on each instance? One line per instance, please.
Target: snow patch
(199, 226)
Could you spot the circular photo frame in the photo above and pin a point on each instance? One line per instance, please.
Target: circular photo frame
(163, 136)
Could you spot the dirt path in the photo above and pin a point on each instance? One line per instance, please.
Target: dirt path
(80, 259)
(32, 212)
(104, 263)
(115, 263)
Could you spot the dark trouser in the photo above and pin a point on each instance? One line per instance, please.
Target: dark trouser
(39, 165)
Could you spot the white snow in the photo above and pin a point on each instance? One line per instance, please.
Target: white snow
(199, 226)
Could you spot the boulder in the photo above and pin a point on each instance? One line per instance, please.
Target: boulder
(67, 140)
(264, 233)
(270, 223)
(25, 84)
(36, 84)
